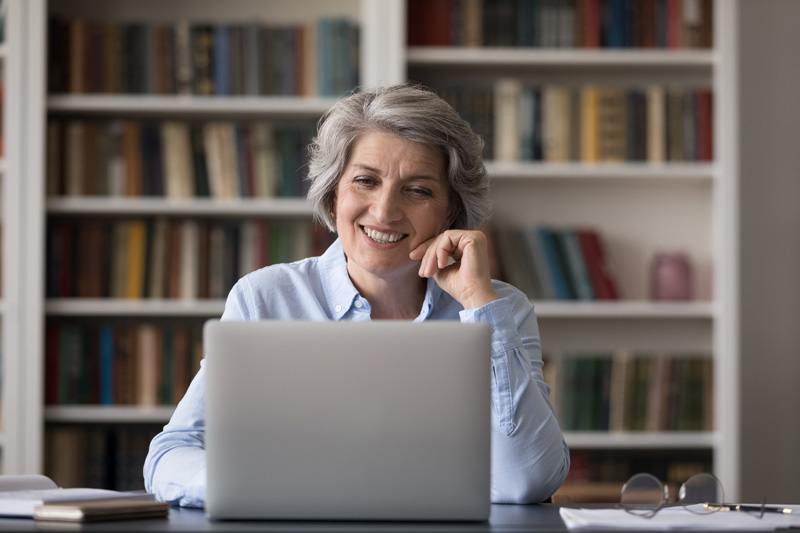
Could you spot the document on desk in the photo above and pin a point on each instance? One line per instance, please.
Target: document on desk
(678, 518)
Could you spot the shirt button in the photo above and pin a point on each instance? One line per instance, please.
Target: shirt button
(358, 304)
(338, 308)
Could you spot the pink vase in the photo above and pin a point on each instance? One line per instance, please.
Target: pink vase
(671, 277)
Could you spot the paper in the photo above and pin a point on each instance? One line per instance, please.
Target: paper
(677, 518)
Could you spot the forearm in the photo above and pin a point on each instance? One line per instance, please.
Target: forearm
(175, 467)
(177, 475)
(529, 457)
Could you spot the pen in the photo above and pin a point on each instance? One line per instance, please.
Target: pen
(746, 508)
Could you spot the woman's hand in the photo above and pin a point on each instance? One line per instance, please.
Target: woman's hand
(467, 279)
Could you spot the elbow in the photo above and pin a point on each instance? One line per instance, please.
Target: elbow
(534, 483)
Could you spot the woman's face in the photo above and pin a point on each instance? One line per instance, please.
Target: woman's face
(392, 196)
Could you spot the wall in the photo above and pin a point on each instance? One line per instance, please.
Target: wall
(770, 249)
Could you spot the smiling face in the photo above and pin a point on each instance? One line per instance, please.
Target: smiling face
(392, 196)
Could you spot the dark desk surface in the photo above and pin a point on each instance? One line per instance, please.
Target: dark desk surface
(543, 517)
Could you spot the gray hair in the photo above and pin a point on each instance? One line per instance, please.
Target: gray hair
(415, 114)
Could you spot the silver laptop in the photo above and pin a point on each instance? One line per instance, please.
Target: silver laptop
(383, 420)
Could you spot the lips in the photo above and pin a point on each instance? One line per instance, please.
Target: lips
(381, 237)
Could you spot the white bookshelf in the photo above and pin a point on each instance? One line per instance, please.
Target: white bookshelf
(269, 207)
(639, 207)
(639, 440)
(125, 414)
(67, 307)
(696, 172)
(435, 57)
(273, 106)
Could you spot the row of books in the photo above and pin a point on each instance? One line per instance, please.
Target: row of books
(627, 391)
(159, 257)
(177, 159)
(589, 123)
(555, 263)
(672, 24)
(98, 455)
(124, 363)
(250, 58)
(598, 475)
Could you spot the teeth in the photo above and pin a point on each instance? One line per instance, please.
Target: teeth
(383, 238)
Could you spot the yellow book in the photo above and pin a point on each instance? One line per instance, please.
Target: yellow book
(589, 131)
(137, 242)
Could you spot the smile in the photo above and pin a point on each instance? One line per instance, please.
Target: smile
(382, 238)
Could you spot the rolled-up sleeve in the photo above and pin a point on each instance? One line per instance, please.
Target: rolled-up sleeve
(530, 458)
(175, 467)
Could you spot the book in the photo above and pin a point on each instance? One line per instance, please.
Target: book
(95, 510)
(21, 495)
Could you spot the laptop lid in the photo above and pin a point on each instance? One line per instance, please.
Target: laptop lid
(382, 420)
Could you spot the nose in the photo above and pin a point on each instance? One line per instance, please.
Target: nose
(386, 207)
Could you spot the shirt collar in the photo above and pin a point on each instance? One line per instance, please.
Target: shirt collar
(341, 294)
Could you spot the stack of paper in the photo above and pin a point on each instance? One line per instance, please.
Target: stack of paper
(678, 518)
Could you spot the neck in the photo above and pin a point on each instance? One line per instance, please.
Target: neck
(393, 298)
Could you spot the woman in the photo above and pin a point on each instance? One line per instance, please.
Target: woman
(399, 176)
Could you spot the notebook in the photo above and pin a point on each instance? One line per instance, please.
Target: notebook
(382, 420)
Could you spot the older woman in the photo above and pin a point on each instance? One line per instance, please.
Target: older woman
(399, 176)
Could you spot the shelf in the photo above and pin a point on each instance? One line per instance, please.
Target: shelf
(3, 306)
(560, 58)
(123, 308)
(117, 307)
(220, 106)
(3, 165)
(638, 440)
(130, 414)
(703, 172)
(624, 309)
(3, 51)
(103, 205)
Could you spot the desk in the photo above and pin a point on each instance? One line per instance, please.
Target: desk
(503, 518)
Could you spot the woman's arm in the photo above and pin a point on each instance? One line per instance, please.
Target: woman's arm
(530, 459)
(175, 467)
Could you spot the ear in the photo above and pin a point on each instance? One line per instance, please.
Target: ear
(451, 217)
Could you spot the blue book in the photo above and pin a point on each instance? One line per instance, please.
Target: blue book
(324, 57)
(106, 365)
(252, 59)
(555, 266)
(536, 247)
(576, 264)
(221, 61)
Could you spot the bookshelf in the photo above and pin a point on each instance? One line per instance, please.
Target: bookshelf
(639, 207)
(60, 424)
(16, 428)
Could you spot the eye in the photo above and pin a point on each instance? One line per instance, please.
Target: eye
(364, 181)
(419, 191)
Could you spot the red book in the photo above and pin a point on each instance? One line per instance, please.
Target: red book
(51, 356)
(436, 22)
(705, 125)
(674, 23)
(591, 26)
(180, 363)
(602, 284)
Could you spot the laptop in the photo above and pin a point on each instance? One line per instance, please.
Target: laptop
(382, 420)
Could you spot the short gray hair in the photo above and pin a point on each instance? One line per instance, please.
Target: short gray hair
(416, 114)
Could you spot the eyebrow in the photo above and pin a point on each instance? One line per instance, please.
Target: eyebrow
(368, 168)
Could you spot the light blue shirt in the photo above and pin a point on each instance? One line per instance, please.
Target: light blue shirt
(529, 456)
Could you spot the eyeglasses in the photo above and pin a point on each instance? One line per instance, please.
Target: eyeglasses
(645, 495)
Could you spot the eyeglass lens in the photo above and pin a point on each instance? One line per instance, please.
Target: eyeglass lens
(701, 488)
(643, 492)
